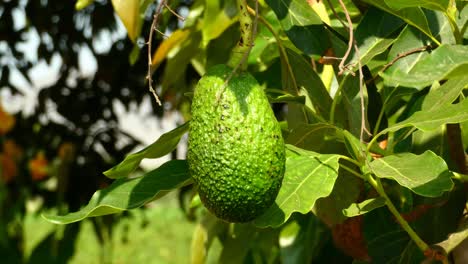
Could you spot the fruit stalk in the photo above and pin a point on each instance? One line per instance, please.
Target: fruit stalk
(375, 182)
(241, 51)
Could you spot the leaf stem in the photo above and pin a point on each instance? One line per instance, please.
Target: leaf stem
(336, 98)
(350, 160)
(351, 171)
(377, 184)
(460, 177)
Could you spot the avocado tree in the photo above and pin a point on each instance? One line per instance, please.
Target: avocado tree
(370, 98)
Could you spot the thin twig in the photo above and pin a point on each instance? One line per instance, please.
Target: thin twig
(174, 13)
(336, 14)
(350, 41)
(404, 54)
(401, 56)
(150, 39)
(361, 95)
(161, 33)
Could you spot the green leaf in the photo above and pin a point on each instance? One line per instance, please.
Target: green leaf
(129, 12)
(440, 26)
(125, 194)
(445, 62)
(455, 238)
(216, 18)
(309, 80)
(409, 39)
(308, 176)
(444, 95)
(411, 15)
(434, 118)
(374, 34)
(441, 5)
(364, 207)
(426, 174)
(302, 25)
(164, 145)
(345, 192)
(315, 137)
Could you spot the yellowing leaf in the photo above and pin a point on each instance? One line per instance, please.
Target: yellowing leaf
(167, 45)
(128, 12)
(80, 4)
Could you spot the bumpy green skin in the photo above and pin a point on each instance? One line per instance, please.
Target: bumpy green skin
(235, 149)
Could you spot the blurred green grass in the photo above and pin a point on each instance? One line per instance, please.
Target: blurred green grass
(160, 234)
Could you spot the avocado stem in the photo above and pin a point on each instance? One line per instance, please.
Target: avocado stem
(241, 51)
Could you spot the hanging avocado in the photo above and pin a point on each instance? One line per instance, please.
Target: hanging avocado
(236, 151)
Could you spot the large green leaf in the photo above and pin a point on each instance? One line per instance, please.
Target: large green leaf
(440, 27)
(302, 25)
(374, 34)
(444, 95)
(164, 145)
(441, 5)
(434, 118)
(447, 61)
(426, 174)
(411, 15)
(409, 39)
(218, 16)
(125, 194)
(308, 176)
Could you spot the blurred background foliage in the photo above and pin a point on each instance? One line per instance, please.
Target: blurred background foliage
(66, 86)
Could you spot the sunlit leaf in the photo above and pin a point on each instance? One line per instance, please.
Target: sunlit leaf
(164, 145)
(364, 207)
(308, 176)
(129, 12)
(125, 194)
(374, 34)
(447, 61)
(441, 5)
(174, 40)
(302, 25)
(426, 174)
(218, 16)
(445, 94)
(411, 15)
(434, 118)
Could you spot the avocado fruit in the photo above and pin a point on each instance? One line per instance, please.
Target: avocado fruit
(236, 152)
